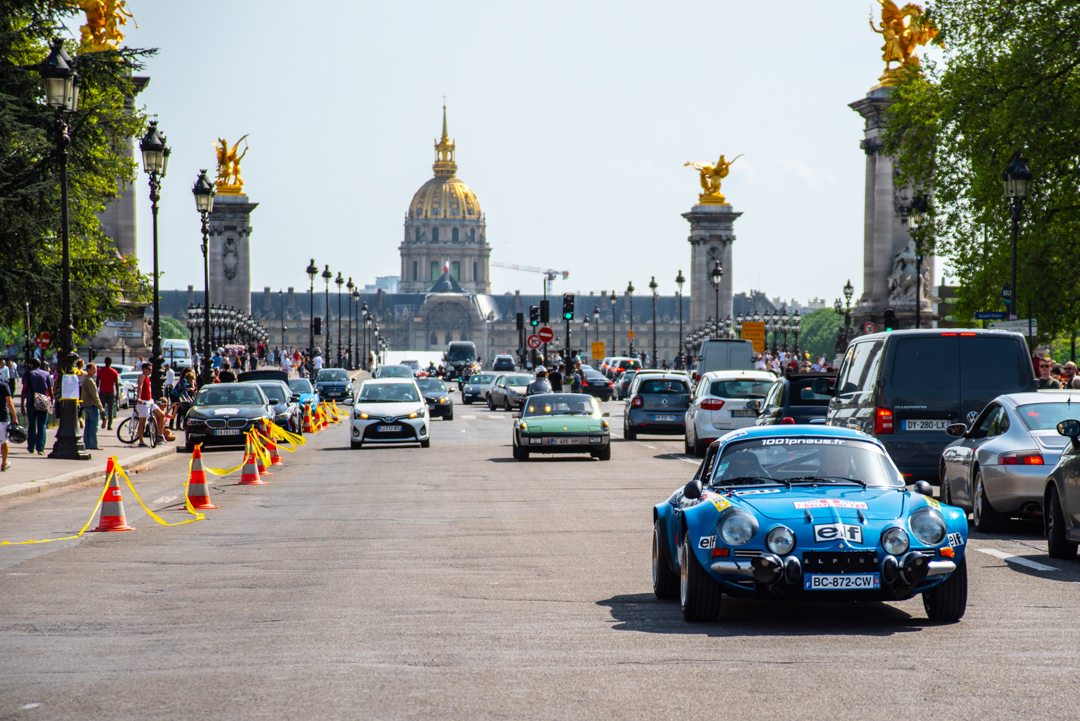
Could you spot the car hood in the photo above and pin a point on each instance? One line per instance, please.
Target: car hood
(838, 503)
(388, 410)
(564, 424)
(227, 412)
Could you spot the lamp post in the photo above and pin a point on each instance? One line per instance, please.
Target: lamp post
(339, 281)
(679, 280)
(281, 305)
(630, 297)
(796, 328)
(1017, 176)
(596, 322)
(351, 288)
(203, 191)
(653, 286)
(366, 319)
(61, 85)
(913, 216)
(327, 276)
(613, 299)
(356, 323)
(155, 155)
(312, 270)
(375, 340)
(585, 321)
(716, 275)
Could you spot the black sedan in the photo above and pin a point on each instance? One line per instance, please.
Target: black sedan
(223, 413)
(792, 399)
(333, 384)
(286, 402)
(437, 397)
(597, 385)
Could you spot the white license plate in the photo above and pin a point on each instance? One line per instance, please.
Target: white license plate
(844, 582)
(227, 432)
(567, 441)
(387, 429)
(743, 414)
(924, 424)
(663, 418)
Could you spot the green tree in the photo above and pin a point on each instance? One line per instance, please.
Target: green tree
(172, 328)
(98, 166)
(1009, 81)
(819, 331)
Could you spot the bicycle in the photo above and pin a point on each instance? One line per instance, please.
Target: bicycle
(128, 429)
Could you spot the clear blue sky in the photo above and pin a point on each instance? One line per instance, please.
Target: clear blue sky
(572, 121)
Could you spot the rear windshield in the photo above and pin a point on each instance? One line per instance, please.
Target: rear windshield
(274, 392)
(665, 385)
(940, 370)
(740, 389)
(395, 372)
(1046, 416)
(802, 394)
(300, 385)
(629, 364)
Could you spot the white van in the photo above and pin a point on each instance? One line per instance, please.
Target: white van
(177, 353)
(725, 354)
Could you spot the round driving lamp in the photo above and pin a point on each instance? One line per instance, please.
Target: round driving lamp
(737, 529)
(780, 540)
(928, 526)
(895, 540)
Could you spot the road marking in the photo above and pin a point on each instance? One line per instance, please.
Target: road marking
(469, 418)
(646, 445)
(163, 500)
(690, 460)
(1018, 560)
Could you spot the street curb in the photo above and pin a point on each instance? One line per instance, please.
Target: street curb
(137, 462)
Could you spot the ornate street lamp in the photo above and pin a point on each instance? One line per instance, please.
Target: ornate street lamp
(653, 286)
(679, 280)
(796, 328)
(916, 218)
(585, 321)
(339, 281)
(715, 276)
(203, 190)
(365, 316)
(1017, 176)
(155, 155)
(612, 298)
(356, 346)
(61, 85)
(312, 271)
(327, 276)
(281, 305)
(596, 323)
(351, 288)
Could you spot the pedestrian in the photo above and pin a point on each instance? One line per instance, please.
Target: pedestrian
(1044, 380)
(170, 377)
(7, 417)
(575, 378)
(14, 375)
(1068, 372)
(555, 378)
(91, 404)
(5, 374)
(37, 404)
(226, 375)
(108, 380)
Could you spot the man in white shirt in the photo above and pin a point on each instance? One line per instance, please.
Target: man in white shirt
(286, 364)
(317, 362)
(170, 376)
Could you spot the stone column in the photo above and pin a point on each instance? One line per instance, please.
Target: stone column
(711, 236)
(230, 251)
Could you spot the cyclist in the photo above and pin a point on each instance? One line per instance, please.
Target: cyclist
(146, 408)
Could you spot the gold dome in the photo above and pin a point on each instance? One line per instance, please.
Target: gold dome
(445, 199)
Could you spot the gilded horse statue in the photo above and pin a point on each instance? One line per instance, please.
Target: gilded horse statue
(904, 30)
(710, 177)
(228, 162)
(103, 20)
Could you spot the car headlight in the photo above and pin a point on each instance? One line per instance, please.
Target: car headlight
(361, 415)
(895, 540)
(414, 414)
(443, 401)
(194, 423)
(738, 528)
(780, 540)
(928, 526)
(523, 426)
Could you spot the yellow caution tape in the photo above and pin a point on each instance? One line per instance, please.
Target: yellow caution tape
(82, 530)
(293, 440)
(197, 516)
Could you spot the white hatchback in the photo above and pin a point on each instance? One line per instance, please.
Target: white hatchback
(720, 404)
(389, 411)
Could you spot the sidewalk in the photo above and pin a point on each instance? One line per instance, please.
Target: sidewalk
(31, 473)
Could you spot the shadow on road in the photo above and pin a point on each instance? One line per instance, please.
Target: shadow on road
(642, 612)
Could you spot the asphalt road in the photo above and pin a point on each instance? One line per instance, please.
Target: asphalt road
(453, 582)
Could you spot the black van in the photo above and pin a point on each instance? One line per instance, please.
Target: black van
(905, 387)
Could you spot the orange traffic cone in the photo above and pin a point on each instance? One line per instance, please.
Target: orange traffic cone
(259, 460)
(275, 457)
(337, 413)
(309, 426)
(197, 493)
(250, 475)
(112, 516)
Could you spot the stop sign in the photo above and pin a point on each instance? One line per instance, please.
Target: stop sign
(546, 334)
(43, 340)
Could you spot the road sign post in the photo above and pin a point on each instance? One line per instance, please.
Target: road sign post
(533, 341)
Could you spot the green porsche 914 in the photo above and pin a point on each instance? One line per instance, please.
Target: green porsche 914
(562, 423)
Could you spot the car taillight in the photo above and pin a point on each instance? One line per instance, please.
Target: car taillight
(584, 382)
(883, 421)
(636, 402)
(787, 421)
(1020, 458)
(712, 404)
(610, 384)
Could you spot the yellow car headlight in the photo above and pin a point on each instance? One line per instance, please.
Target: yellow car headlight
(362, 416)
(414, 414)
(523, 426)
(604, 425)
(442, 401)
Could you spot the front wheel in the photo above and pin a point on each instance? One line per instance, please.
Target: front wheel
(947, 602)
(506, 405)
(128, 430)
(1057, 545)
(426, 443)
(983, 515)
(520, 454)
(355, 445)
(665, 582)
(449, 416)
(629, 433)
(605, 455)
(699, 594)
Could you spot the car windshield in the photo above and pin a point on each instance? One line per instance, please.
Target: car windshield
(431, 385)
(1046, 416)
(388, 393)
(395, 372)
(518, 380)
(561, 404)
(480, 379)
(739, 388)
(332, 374)
(300, 385)
(229, 395)
(814, 460)
(461, 353)
(130, 377)
(274, 392)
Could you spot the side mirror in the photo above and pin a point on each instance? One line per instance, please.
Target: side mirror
(956, 429)
(924, 488)
(692, 489)
(823, 387)
(1069, 428)
(294, 398)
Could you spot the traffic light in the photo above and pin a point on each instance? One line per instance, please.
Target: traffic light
(890, 319)
(568, 306)
(318, 325)
(534, 316)
(544, 311)
(520, 320)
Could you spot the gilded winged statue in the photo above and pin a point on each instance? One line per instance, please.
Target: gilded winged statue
(710, 177)
(228, 162)
(904, 30)
(103, 20)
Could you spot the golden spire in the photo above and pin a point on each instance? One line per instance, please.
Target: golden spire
(445, 166)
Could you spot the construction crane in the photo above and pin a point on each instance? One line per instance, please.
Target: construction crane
(549, 274)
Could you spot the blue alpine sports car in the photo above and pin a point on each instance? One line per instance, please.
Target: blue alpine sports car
(810, 512)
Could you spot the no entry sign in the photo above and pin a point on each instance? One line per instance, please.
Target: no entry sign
(546, 334)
